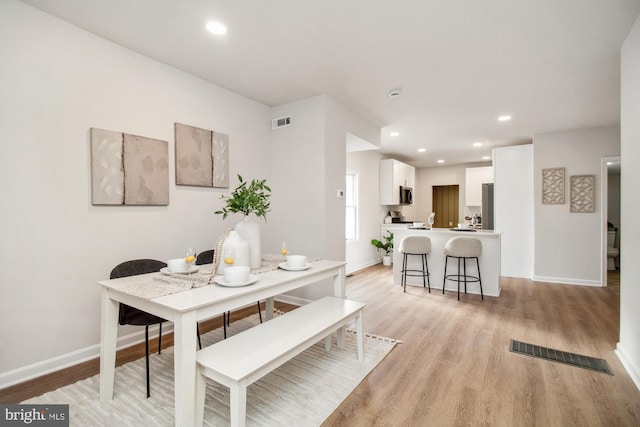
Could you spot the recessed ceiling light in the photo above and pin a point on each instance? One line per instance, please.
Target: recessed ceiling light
(394, 133)
(217, 28)
(421, 150)
(440, 161)
(394, 93)
(486, 158)
(504, 118)
(477, 144)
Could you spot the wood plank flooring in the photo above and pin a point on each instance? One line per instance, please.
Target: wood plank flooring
(454, 366)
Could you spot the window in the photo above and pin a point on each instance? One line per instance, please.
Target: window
(351, 205)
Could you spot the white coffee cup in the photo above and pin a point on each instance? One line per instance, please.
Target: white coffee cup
(236, 274)
(177, 265)
(418, 224)
(463, 225)
(296, 261)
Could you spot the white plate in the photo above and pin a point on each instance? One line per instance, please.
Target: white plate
(220, 281)
(192, 269)
(284, 266)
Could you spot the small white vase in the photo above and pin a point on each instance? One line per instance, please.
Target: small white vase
(386, 260)
(237, 248)
(249, 229)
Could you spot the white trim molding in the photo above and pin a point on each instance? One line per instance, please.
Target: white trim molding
(628, 364)
(567, 281)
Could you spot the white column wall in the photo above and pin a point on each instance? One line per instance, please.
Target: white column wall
(513, 208)
(628, 348)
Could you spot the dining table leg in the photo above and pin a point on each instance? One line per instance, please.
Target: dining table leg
(185, 368)
(269, 307)
(340, 291)
(108, 338)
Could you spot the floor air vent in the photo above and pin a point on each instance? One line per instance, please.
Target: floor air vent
(586, 362)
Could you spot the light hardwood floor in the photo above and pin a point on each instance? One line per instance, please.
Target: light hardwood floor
(454, 367)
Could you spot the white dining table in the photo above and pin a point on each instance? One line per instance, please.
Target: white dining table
(188, 307)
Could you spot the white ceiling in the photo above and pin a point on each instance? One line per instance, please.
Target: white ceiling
(550, 64)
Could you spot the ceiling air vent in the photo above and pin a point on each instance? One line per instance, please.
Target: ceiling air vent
(281, 122)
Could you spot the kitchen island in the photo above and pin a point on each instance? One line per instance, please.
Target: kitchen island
(489, 260)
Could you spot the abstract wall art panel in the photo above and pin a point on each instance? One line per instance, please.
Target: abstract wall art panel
(202, 157)
(583, 193)
(553, 186)
(107, 172)
(128, 169)
(194, 163)
(146, 171)
(220, 160)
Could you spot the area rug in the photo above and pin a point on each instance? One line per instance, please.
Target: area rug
(302, 392)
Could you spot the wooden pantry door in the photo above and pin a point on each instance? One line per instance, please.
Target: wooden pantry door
(445, 205)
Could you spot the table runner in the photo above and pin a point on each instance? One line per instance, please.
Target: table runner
(163, 284)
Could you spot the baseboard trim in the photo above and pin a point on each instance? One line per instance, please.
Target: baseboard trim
(47, 366)
(627, 363)
(567, 281)
(362, 266)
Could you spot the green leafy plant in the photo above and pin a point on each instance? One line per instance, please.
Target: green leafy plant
(387, 245)
(248, 197)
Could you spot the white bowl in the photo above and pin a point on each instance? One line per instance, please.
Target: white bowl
(418, 224)
(177, 265)
(296, 261)
(463, 225)
(236, 274)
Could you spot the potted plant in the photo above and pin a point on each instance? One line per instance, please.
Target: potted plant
(249, 198)
(386, 246)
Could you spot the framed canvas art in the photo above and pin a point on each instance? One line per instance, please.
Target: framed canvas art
(202, 157)
(128, 169)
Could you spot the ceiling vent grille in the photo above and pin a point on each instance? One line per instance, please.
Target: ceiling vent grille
(281, 122)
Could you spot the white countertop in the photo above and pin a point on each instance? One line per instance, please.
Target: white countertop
(476, 233)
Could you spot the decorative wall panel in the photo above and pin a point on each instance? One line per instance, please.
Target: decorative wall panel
(553, 186)
(583, 193)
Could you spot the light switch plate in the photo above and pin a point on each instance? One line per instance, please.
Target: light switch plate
(340, 194)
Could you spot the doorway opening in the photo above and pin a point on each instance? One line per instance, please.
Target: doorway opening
(445, 200)
(611, 221)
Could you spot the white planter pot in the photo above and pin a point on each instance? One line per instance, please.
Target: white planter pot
(249, 229)
(386, 260)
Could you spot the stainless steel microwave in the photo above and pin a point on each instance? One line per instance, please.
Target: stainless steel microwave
(406, 195)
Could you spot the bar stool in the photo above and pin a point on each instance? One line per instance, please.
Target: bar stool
(415, 245)
(462, 248)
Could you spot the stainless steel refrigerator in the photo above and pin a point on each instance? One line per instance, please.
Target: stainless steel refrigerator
(487, 206)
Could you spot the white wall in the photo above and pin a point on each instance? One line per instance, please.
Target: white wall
(628, 348)
(309, 160)
(57, 82)
(568, 246)
(513, 204)
(371, 214)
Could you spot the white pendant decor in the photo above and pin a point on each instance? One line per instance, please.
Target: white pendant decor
(249, 229)
(235, 251)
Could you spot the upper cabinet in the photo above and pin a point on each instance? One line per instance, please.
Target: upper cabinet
(393, 175)
(475, 177)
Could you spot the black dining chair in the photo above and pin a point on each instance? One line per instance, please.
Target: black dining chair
(206, 257)
(133, 316)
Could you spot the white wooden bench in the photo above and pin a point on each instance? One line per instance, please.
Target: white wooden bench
(246, 357)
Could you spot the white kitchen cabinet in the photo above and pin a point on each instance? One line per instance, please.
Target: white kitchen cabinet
(394, 174)
(475, 177)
